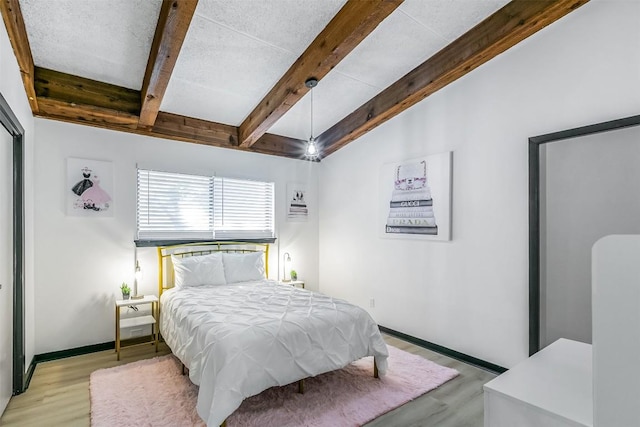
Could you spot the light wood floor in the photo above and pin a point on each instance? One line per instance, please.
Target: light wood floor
(457, 403)
(59, 392)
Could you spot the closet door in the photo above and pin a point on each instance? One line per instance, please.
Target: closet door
(6, 268)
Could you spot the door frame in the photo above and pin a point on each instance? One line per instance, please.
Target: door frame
(11, 123)
(535, 143)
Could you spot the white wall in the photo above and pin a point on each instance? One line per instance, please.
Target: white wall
(471, 294)
(80, 262)
(591, 190)
(13, 91)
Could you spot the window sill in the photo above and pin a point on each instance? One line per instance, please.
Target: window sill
(155, 243)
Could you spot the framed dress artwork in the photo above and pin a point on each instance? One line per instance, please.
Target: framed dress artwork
(415, 198)
(89, 188)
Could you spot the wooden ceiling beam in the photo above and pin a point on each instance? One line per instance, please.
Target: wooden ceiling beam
(275, 144)
(13, 20)
(173, 24)
(50, 84)
(352, 24)
(508, 26)
(170, 126)
(88, 102)
(85, 114)
(80, 100)
(188, 129)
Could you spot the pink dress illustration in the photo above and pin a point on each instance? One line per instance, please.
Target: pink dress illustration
(95, 197)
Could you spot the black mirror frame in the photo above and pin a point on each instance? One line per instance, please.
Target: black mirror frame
(534, 211)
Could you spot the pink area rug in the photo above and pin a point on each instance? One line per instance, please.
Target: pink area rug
(154, 393)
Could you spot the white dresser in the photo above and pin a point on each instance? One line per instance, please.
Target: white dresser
(552, 388)
(616, 331)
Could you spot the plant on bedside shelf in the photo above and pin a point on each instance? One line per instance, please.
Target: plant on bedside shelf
(294, 275)
(126, 290)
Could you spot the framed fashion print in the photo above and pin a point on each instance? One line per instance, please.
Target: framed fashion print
(297, 207)
(89, 188)
(415, 198)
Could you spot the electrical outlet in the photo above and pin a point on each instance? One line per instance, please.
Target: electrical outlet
(372, 302)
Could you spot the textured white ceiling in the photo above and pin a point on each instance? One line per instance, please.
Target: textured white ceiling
(334, 95)
(409, 36)
(235, 51)
(398, 45)
(453, 18)
(288, 24)
(101, 40)
(221, 73)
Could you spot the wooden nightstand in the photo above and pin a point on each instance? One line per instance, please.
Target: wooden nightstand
(294, 283)
(148, 319)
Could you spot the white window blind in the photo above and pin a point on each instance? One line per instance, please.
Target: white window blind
(173, 206)
(242, 209)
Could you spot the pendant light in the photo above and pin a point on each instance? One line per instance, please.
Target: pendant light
(312, 149)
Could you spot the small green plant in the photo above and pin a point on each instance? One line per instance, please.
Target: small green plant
(125, 288)
(294, 275)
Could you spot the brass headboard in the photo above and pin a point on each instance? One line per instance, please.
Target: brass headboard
(165, 268)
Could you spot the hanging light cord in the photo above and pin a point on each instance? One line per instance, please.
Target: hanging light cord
(312, 149)
(311, 138)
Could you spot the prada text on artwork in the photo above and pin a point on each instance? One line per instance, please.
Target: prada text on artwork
(415, 199)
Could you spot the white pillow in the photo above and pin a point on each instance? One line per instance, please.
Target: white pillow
(198, 270)
(243, 267)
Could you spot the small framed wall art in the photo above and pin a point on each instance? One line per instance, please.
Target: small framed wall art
(89, 188)
(297, 207)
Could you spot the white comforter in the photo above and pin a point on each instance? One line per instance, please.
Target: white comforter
(238, 340)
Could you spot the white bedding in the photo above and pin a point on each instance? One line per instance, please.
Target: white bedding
(238, 340)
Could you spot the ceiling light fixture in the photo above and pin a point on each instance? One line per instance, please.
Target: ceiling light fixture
(312, 149)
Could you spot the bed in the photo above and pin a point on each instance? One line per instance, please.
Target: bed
(239, 333)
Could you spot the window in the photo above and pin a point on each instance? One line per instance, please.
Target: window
(242, 209)
(174, 206)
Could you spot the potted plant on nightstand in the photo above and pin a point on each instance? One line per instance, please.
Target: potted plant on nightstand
(294, 275)
(126, 290)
